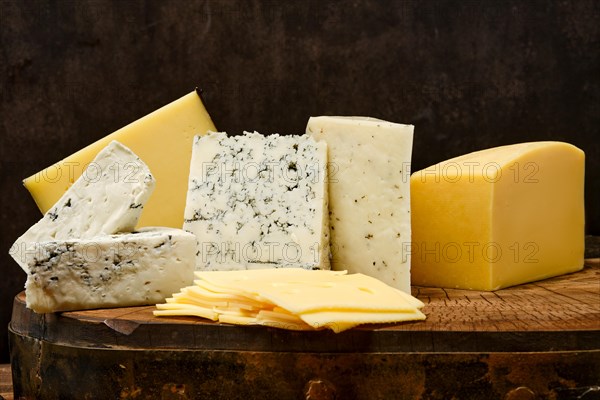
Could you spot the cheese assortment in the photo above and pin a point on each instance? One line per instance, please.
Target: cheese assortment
(292, 298)
(128, 269)
(163, 139)
(258, 212)
(99, 202)
(499, 217)
(258, 201)
(369, 191)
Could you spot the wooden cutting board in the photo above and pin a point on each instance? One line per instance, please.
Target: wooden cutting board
(538, 339)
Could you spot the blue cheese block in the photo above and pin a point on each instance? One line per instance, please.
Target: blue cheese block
(108, 198)
(143, 267)
(258, 201)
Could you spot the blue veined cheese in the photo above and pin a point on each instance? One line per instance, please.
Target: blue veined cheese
(138, 268)
(369, 194)
(258, 201)
(107, 198)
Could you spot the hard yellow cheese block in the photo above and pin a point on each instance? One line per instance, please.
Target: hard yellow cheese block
(499, 217)
(163, 139)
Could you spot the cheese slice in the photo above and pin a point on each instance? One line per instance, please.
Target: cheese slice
(138, 268)
(281, 320)
(187, 312)
(100, 202)
(499, 217)
(339, 321)
(369, 194)
(201, 294)
(256, 201)
(163, 139)
(310, 293)
(237, 319)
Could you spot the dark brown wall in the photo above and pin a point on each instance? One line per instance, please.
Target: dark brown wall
(469, 74)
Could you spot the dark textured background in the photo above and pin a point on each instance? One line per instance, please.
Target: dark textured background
(469, 74)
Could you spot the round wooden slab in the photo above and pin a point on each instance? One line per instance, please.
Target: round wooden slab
(553, 325)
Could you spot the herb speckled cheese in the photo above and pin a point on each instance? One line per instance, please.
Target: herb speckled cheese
(258, 201)
(107, 198)
(129, 269)
(369, 194)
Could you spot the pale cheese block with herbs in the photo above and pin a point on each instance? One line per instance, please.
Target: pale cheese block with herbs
(163, 139)
(369, 195)
(129, 269)
(499, 217)
(258, 201)
(101, 201)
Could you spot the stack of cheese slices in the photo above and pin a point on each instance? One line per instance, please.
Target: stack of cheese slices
(292, 298)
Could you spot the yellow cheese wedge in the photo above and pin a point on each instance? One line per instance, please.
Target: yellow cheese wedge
(163, 139)
(498, 217)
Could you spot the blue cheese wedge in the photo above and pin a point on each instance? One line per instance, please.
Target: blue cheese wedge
(258, 201)
(369, 194)
(138, 268)
(108, 198)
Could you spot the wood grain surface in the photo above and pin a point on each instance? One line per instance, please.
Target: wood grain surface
(6, 389)
(561, 313)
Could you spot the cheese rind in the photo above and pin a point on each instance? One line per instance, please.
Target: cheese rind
(499, 217)
(138, 268)
(101, 201)
(256, 201)
(163, 139)
(369, 195)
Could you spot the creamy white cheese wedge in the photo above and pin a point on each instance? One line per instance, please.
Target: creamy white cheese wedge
(129, 269)
(369, 194)
(258, 201)
(108, 198)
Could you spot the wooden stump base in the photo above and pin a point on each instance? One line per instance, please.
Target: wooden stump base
(540, 340)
